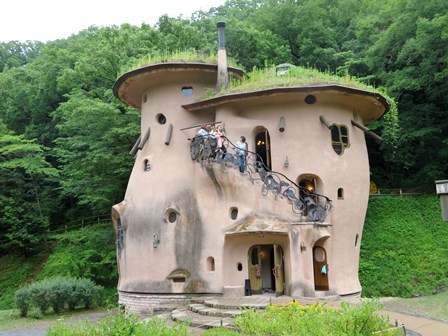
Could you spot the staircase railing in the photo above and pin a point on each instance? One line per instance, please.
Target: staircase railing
(313, 206)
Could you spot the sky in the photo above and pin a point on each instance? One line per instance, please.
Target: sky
(47, 20)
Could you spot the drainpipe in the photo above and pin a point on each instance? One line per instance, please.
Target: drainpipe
(223, 76)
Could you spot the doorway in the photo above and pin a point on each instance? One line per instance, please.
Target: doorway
(266, 269)
(320, 268)
(263, 147)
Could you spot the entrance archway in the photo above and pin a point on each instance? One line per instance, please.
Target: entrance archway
(320, 266)
(266, 269)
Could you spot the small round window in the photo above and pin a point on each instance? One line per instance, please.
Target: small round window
(172, 216)
(310, 99)
(145, 98)
(161, 119)
(239, 266)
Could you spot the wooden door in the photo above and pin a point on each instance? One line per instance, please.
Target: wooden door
(278, 270)
(255, 269)
(320, 268)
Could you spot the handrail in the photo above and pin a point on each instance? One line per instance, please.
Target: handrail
(314, 206)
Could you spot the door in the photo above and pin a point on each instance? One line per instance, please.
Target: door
(278, 270)
(255, 269)
(263, 148)
(320, 268)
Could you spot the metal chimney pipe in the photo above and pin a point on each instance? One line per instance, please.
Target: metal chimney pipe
(221, 26)
(223, 75)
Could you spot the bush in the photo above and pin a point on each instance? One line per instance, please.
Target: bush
(58, 293)
(22, 299)
(122, 325)
(293, 318)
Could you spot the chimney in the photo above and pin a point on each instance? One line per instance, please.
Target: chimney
(222, 81)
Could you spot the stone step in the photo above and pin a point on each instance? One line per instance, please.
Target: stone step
(200, 321)
(237, 303)
(202, 309)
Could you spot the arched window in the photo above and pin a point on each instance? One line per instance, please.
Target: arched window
(339, 138)
(210, 264)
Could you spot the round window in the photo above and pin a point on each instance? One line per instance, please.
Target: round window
(172, 216)
(310, 99)
(161, 119)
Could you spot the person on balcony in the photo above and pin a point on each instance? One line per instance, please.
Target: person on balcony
(220, 136)
(241, 151)
(203, 131)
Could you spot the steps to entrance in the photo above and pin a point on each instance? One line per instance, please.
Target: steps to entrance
(200, 321)
(212, 312)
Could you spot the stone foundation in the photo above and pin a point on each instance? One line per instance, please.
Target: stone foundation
(150, 303)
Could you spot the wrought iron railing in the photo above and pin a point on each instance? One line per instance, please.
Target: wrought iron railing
(313, 206)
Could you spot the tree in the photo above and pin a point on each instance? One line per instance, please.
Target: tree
(93, 145)
(24, 221)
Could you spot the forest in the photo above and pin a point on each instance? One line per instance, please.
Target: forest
(64, 137)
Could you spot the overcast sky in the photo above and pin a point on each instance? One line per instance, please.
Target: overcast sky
(46, 20)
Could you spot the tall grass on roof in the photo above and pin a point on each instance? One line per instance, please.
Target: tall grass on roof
(296, 76)
(260, 79)
(180, 56)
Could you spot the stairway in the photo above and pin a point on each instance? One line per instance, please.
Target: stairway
(210, 312)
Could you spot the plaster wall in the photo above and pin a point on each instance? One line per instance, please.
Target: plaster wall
(202, 195)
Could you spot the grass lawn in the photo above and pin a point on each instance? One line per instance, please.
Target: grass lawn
(432, 306)
(10, 319)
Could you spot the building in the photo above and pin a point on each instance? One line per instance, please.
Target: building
(192, 224)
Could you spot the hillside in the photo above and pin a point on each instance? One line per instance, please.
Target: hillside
(404, 247)
(403, 253)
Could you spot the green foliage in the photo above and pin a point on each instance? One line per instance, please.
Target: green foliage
(57, 293)
(404, 247)
(15, 270)
(177, 56)
(22, 300)
(88, 253)
(293, 318)
(220, 332)
(93, 155)
(23, 173)
(122, 325)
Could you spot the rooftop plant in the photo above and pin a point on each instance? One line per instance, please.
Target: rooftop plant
(295, 76)
(185, 56)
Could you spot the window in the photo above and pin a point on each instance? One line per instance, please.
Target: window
(340, 193)
(161, 119)
(187, 91)
(145, 98)
(356, 240)
(339, 138)
(146, 165)
(210, 264)
(239, 267)
(254, 256)
(171, 215)
(310, 99)
(234, 213)
(178, 279)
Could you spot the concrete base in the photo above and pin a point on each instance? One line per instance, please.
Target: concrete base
(233, 291)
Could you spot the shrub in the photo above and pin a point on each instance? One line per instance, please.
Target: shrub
(293, 318)
(122, 325)
(40, 295)
(58, 293)
(22, 301)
